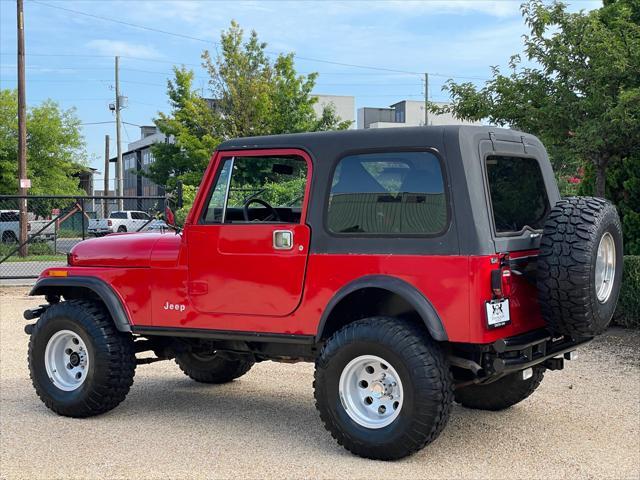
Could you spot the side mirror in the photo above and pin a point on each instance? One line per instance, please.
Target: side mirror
(169, 217)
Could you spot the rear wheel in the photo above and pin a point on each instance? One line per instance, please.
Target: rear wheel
(80, 365)
(122, 229)
(501, 394)
(213, 367)
(383, 388)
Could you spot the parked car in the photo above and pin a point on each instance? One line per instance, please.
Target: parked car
(120, 222)
(37, 230)
(420, 266)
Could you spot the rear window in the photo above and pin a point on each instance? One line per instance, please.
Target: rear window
(518, 194)
(388, 193)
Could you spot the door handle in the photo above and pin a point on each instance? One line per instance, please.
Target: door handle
(282, 239)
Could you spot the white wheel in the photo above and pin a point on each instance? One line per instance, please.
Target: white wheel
(66, 360)
(371, 391)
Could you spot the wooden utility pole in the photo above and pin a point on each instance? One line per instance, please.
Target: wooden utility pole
(426, 99)
(23, 183)
(119, 169)
(105, 192)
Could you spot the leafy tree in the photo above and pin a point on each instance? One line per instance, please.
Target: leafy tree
(252, 95)
(55, 147)
(191, 127)
(579, 91)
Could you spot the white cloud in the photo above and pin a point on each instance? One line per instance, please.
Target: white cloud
(125, 49)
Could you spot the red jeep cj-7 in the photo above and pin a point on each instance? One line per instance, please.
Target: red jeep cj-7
(414, 266)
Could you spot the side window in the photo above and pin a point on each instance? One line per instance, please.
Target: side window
(265, 189)
(139, 216)
(118, 215)
(388, 193)
(518, 193)
(215, 208)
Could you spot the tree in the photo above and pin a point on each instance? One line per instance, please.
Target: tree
(55, 147)
(579, 92)
(251, 95)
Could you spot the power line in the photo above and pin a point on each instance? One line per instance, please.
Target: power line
(190, 37)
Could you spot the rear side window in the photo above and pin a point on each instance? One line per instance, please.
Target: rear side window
(388, 193)
(518, 194)
(118, 215)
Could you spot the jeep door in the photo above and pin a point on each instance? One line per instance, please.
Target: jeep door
(248, 245)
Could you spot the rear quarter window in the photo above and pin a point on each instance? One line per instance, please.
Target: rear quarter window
(518, 193)
(388, 193)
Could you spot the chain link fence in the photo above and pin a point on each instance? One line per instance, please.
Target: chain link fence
(54, 224)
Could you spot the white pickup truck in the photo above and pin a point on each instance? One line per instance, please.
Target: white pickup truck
(120, 221)
(10, 227)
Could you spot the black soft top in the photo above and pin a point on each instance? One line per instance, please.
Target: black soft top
(461, 149)
(323, 145)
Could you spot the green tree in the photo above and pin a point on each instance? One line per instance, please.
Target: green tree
(55, 147)
(579, 91)
(252, 95)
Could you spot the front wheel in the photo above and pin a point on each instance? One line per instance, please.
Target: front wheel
(383, 388)
(80, 365)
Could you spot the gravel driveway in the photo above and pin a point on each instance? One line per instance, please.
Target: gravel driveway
(583, 422)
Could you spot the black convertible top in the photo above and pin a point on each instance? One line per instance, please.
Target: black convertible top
(320, 143)
(462, 150)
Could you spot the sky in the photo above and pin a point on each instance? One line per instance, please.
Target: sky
(70, 54)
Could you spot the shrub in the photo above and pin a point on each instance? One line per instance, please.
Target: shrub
(628, 311)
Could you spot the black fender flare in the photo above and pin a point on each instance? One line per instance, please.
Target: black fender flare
(102, 289)
(395, 285)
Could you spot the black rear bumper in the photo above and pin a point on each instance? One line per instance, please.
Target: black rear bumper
(529, 349)
(487, 363)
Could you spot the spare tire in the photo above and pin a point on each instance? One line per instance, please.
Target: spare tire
(579, 268)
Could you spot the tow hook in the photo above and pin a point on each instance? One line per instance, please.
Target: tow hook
(33, 313)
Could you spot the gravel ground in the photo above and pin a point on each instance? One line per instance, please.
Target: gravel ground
(583, 422)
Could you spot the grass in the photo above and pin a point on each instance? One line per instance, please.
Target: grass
(36, 258)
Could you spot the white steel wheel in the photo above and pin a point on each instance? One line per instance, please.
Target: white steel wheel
(370, 391)
(66, 360)
(605, 267)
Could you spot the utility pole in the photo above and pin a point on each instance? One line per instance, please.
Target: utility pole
(119, 169)
(105, 193)
(23, 182)
(426, 99)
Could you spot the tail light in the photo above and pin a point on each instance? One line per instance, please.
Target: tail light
(501, 282)
(28, 227)
(109, 223)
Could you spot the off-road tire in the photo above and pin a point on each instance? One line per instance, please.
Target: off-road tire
(112, 359)
(423, 370)
(501, 394)
(219, 368)
(567, 262)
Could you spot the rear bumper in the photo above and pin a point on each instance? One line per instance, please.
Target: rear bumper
(516, 353)
(491, 361)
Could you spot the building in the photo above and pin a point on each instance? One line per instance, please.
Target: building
(343, 105)
(406, 113)
(136, 160)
